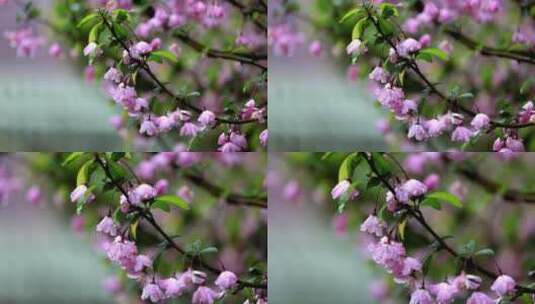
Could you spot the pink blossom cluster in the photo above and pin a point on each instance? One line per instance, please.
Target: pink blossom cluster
(393, 98)
(173, 14)
(25, 41)
(406, 270)
(125, 254)
(449, 11)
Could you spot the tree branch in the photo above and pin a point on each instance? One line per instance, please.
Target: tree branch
(147, 215)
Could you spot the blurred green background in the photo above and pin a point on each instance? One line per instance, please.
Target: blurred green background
(45, 105)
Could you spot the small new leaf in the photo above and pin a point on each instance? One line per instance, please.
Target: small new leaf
(446, 197)
(173, 200)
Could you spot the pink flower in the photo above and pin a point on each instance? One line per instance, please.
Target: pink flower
(389, 254)
(34, 195)
(153, 292)
(264, 136)
(113, 75)
(480, 298)
(414, 188)
(92, 49)
(226, 280)
(504, 285)
(161, 186)
(78, 193)
(112, 285)
(373, 225)
(185, 193)
(207, 119)
(340, 189)
(432, 181)
(143, 192)
(172, 287)
(204, 295)
(378, 74)
(480, 121)
(462, 134)
(417, 132)
(444, 292)
(467, 281)
(435, 127)
(107, 226)
(55, 50)
(189, 129)
(140, 49)
(514, 145)
(421, 296)
(142, 261)
(148, 127)
(411, 265)
(339, 223)
(356, 47)
(315, 48)
(409, 46)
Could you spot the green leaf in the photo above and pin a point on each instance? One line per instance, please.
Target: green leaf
(95, 31)
(386, 26)
(166, 54)
(387, 10)
(162, 206)
(485, 252)
(72, 157)
(431, 202)
(359, 28)
(88, 20)
(121, 15)
(83, 174)
(174, 200)
(358, 12)
(468, 249)
(466, 96)
(446, 197)
(208, 250)
(345, 172)
(381, 164)
(434, 52)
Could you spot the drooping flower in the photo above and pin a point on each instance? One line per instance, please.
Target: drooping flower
(421, 296)
(414, 187)
(355, 48)
(444, 292)
(409, 46)
(207, 118)
(153, 292)
(373, 225)
(417, 132)
(480, 121)
(411, 265)
(78, 193)
(107, 226)
(503, 285)
(172, 287)
(226, 280)
(92, 49)
(378, 74)
(204, 295)
(341, 188)
(480, 298)
(462, 134)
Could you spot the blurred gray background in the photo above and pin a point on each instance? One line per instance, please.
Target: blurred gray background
(45, 104)
(313, 107)
(307, 263)
(42, 261)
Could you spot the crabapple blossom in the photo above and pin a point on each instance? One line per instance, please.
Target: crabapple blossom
(356, 47)
(226, 280)
(421, 296)
(373, 225)
(152, 292)
(204, 295)
(503, 285)
(480, 298)
(340, 189)
(107, 226)
(78, 193)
